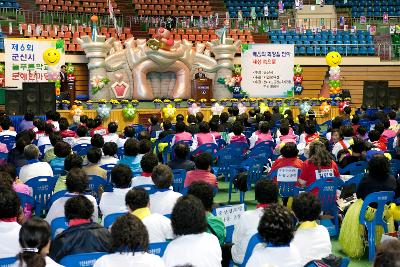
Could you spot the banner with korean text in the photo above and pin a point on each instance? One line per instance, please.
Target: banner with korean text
(267, 70)
(24, 60)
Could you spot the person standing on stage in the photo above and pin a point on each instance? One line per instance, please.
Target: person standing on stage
(64, 94)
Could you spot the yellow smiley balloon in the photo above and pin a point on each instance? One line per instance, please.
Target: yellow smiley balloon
(51, 56)
(333, 59)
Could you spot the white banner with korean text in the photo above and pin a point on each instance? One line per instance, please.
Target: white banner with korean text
(24, 60)
(267, 70)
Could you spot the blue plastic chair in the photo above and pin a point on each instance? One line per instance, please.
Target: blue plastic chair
(395, 166)
(178, 179)
(209, 148)
(57, 224)
(108, 168)
(167, 150)
(253, 242)
(81, 149)
(355, 180)
(226, 159)
(54, 197)
(110, 219)
(286, 185)
(81, 260)
(381, 199)
(9, 140)
(150, 189)
(172, 154)
(354, 168)
(26, 200)
(94, 184)
(6, 262)
(42, 188)
(120, 152)
(327, 195)
(221, 143)
(239, 148)
(158, 248)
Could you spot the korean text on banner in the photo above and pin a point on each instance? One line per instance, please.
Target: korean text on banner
(267, 70)
(24, 60)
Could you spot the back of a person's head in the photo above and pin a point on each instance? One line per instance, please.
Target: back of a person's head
(73, 160)
(386, 123)
(10, 169)
(266, 192)
(381, 107)
(237, 128)
(374, 135)
(275, 109)
(181, 151)
(97, 141)
(55, 116)
(154, 119)
(252, 113)
(144, 146)
(392, 115)
(98, 121)
(179, 118)
(199, 117)
(182, 224)
(64, 124)
(48, 128)
(180, 127)
(78, 207)
(191, 118)
(40, 124)
(129, 234)
(289, 150)
(148, 162)
(378, 166)
(83, 119)
(129, 132)
(131, 147)
(309, 127)
(31, 152)
(235, 111)
(162, 176)
(203, 161)
(112, 127)
(204, 192)
(94, 155)
(204, 127)
(277, 225)
(214, 125)
(29, 116)
(9, 203)
(264, 127)
(6, 181)
(224, 117)
(22, 142)
(121, 176)
(77, 181)
(347, 131)
(5, 123)
(82, 131)
(319, 155)
(306, 207)
(110, 149)
(90, 123)
(347, 110)
(355, 120)
(337, 122)
(62, 149)
(387, 254)
(379, 127)
(358, 145)
(167, 125)
(361, 130)
(144, 135)
(34, 236)
(55, 137)
(137, 198)
(284, 129)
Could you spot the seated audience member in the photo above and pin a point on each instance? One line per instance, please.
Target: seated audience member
(203, 137)
(114, 202)
(167, 129)
(157, 225)
(202, 171)
(225, 125)
(309, 234)
(358, 149)
(98, 127)
(83, 235)
(181, 134)
(261, 135)
(155, 126)
(334, 137)
(130, 242)
(97, 141)
(71, 161)
(355, 123)
(181, 161)
(286, 134)
(34, 168)
(61, 150)
(49, 153)
(388, 133)
(237, 133)
(76, 182)
(214, 129)
(16, 155)
(52, 118)
(376, 141)
(112, 135)
(93, 168)
(83, 120)
(45, 139)
(147, 164)
(199, 117)
(83, 138)
(319, 165)
(6, 124)
(130, 158)
(233, 114)
(192, 127)
(144, 148)
(380, 114)
(347, 134)
(64, 129)
(266, 193)
(362, 133)
(35, 239)
(27, 122)
(180, 118)
(129, 132)
(276, 115)
(276, 228)
(9, 227)
(39, 128)
(387, 253)
(288, 157)
(346, 113)
(164, 199)
(300, 126)
(392, 118)
(193, 244)
(110, 150)
(204, 192)
(310, 134)
(144, 135)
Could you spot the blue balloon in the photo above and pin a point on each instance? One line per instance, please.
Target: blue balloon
(298, 89)
(103, 111)
(305, 107)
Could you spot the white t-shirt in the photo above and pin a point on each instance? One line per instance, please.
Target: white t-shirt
(159, 228)
(163, 202)
(199, 250)
(9, 236)
(316, 241)
(82, 140)
(275, 256)
(108, 160)
(244, 229)
(8, 132)
(57, 209)
(113, 202)
(121, 142)
(44, 140)
(141, 180)
(141, 259)
(111, 137)
(49, 263)
(30, 171)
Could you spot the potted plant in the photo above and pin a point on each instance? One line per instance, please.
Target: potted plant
(278, 101)
(224, 101)
(114, 103)
(135, 103)
(270, 102)
(244, 101)
(78, 103)
(166, 102)
(190, 102)
(234, 102)
(213, 101)
(287, 101)
(65, 104)
(296, 102)
(253, 102)
(177, 102)
(124, 103)
(157, 103)
(203, 103)
(314, 101)
(89, 104)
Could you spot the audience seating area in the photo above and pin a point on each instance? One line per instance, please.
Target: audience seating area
(172, 8)
(99, 6)
(234, 6)
(11, 4)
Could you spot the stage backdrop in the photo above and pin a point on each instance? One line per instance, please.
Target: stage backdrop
(267, 70)
(24, 60)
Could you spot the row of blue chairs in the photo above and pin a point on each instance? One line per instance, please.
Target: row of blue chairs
(310, 33)
(325, 39)
(316, 50)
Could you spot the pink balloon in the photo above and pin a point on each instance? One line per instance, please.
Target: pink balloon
(335, 77)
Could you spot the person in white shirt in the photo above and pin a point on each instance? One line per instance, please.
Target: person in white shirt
(45, 140)
(347, 132)
(276, 228)
(114, 202)
(112, 135)
(34, 168)
(158, 226)
(130, 241)
(82, 132)
(315, 238)
(9, 227)
(109, 154)
(129, 132)
(76, 182)
(266, 193)
(34, 239)
(148, 163)
(193, 244)
(164, 199)
(5, 124)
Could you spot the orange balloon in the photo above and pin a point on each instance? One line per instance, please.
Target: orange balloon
(57, 91)
(94, 18)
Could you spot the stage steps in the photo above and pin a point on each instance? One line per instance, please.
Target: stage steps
(313, 80)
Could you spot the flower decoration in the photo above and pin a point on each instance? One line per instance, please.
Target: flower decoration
(157, 100)
(325, 108)
(70, 68)
(233, 100)
(177, 100)
(124, 101)
(167, 101)
(98, 82)
(76, 113)
(129, 112)
(103, 111)
(203, 100)
(191, 100)
(193, 109)
(114, 101)
(242, 108)
(135, 101)
(305, 107)
(263, 108)
(169, 112)
(89, 101)
(102, 101)
(213, 100)
(65, 101)
(217, 109)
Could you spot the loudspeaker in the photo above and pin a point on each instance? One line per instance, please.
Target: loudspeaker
(13, 102)
(47, 97)
(39, 97)
(346, 94)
